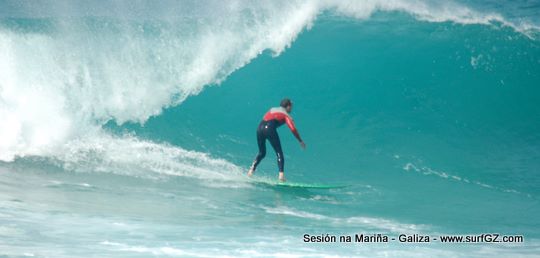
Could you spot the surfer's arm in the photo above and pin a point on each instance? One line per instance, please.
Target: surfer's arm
(290, 124)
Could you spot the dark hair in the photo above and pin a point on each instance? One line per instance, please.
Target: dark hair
(285, 102)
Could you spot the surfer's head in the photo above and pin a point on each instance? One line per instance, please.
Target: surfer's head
(287, 104)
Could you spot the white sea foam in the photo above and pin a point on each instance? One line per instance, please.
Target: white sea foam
(359, 251)
(244, 251)
(428, 171)
(128, 155)
(61, 84)
(152, 251)
(366, 222)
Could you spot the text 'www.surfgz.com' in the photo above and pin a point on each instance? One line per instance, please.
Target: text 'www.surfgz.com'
(413, 238)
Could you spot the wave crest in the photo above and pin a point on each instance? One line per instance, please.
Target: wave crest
(127, 62)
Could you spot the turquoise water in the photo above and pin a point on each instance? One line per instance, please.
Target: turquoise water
(127, 128)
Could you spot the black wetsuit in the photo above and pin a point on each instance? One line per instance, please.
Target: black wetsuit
(266, 130)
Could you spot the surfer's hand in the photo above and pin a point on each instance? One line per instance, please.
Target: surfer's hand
(303, 145)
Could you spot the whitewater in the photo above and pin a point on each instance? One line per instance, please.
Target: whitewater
(126, 128)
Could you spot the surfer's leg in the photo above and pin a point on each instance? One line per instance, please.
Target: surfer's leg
(261, 142)
(273, 137)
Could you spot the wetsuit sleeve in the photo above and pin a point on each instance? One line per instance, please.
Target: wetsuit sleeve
(290, 124)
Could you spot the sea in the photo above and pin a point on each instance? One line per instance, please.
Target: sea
(127, 128)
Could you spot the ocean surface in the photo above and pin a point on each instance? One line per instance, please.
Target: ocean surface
(127, 127)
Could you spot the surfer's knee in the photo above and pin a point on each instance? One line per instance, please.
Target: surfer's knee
(261, 155)
(280, 156)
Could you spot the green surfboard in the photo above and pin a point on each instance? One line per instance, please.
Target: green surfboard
(273, 183)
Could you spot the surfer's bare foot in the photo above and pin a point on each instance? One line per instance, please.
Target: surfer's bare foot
(250, 172)
(282, 177)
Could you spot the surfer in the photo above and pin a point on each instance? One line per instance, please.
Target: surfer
(266, 130)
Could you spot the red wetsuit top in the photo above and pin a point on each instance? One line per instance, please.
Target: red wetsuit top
(281, 116)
